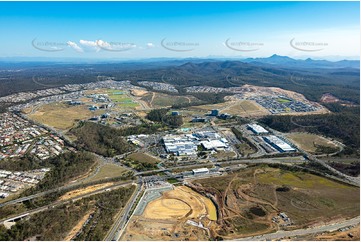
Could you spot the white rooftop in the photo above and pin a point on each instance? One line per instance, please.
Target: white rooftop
(199, 170)
(258, 128)
(213, 144)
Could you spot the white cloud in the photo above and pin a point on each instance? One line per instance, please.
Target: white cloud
(103, 44)
(150, 45)
(115, 46)
(89, 45)
(75, 46)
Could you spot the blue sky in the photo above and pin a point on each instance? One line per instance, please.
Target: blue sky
(187, 29)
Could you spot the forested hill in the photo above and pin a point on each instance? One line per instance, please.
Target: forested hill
(309, 77)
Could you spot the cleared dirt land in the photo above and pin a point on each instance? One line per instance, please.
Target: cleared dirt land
(248, 200)
(167, 208)
(61, 115)
(178, 203)
(312, 142)
(243, 108)
(138, 92)
(78, 227)
(85, 190)
(159, 100)
(165, 218)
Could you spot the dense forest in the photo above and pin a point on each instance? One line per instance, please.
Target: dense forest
(312, 80)
(65, 167)
(344, 83)
(101, 139)
(161, 115)
(56, 223)
(108, 141)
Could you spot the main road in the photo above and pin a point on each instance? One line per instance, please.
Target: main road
(58, 203)
(40, 194)
(300, 232)
(123, 216)
(346, 178)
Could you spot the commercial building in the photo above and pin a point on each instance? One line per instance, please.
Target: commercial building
(180, 145)
(175, 113)
(75, 103)
(278, 143)
(214, 112)
(257, 129)
(224, 116)
(198, 120)
(187, 144)
(214, 145)
(200, 171)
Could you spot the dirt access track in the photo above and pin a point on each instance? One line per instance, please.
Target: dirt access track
(249, 201)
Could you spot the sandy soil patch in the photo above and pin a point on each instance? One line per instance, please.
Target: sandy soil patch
(167, 209)
(165, 218)
(178, 203)
(85, 190)
(138, 92)
(78, 227)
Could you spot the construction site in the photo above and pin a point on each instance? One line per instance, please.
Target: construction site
(178, 213)
(245, 203)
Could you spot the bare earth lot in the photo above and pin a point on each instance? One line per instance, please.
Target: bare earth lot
(160, 100)
(248, 200)
(243, 108)
(165, 218)
(61, 115)
(310, 142)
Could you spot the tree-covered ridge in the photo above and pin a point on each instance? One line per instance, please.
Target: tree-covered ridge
(56, 223)
(160, 115)
(108, 141)
(101, 139)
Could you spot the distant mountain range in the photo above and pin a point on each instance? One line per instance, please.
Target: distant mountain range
(310, 77)
(286, 61)
(274, 60)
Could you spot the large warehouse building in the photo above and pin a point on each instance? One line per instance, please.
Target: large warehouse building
(180, 145)
(279, 144)
(200, 171)
(257, 129)
(187, 144)
(214, 145)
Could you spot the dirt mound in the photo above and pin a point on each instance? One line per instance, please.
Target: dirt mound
(166, 209)
(179, 203)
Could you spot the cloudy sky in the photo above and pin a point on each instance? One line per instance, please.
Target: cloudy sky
(132, 30)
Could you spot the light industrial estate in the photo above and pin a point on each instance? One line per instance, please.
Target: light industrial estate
(188, 144)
